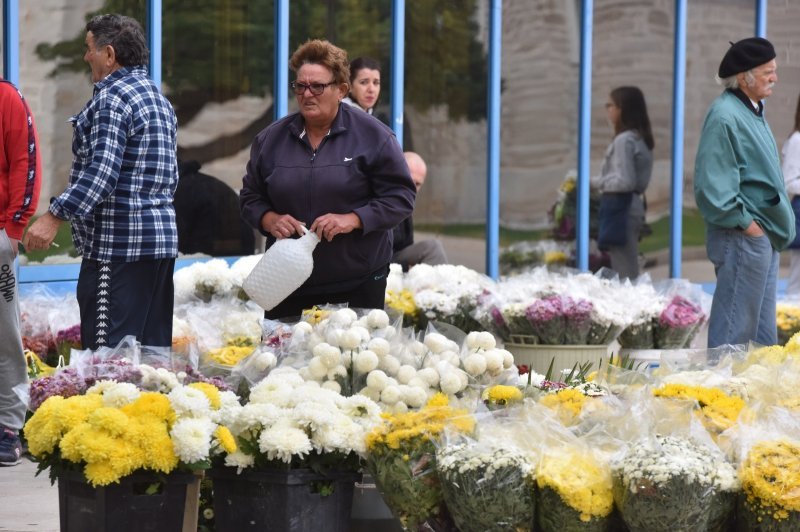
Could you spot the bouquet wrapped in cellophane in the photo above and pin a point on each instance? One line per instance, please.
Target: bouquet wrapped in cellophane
(401, 457)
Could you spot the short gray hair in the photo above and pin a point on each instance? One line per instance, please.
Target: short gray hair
(731, 82)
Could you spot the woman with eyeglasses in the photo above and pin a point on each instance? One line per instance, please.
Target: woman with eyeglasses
(338, 172)
(625, 175)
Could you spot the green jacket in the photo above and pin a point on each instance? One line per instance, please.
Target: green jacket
(737, 174)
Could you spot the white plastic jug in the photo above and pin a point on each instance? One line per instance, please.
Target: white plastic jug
(283, 268)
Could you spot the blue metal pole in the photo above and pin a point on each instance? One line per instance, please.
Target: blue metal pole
(398, 66)
(584, 135)
(281, 89)
(678, 99)
(761, 18)
(11, 41)
(154, 38)
(493, 138)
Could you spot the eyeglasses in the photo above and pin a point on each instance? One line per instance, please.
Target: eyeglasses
(315, 88)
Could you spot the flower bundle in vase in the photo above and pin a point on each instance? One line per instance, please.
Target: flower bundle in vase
(546, 317)
(677, 323)
(486, 487)
(673, 484)
(401, 458)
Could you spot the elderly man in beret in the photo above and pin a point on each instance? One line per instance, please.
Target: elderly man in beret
(739, 190)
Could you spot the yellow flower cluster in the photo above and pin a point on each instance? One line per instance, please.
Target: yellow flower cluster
(719, 410)
(225, 438)
(582, 483)
(409, 430)
(112, 442)
(502, 395)
(770, 478)
(314, 315)
(788, 319)
(555, 257)
(402, 301)
(568, 403)
(230, 355)
(568, 185)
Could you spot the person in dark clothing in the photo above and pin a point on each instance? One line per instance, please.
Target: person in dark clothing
(337, 171)
(208, 216)
(407, 253)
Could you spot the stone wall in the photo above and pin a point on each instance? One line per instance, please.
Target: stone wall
(632, 46)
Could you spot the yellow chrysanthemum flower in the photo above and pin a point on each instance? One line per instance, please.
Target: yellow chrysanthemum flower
(112, 420)
(719, 410)
(154, 404)
(771, 355)
(502, 395)
(225, 439)
(568, 403)
(581, 482)
(770, 475)
(210, 391)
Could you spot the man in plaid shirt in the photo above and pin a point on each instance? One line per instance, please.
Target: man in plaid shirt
(119, 198)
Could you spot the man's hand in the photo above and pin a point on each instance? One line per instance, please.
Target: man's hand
(754, 229)
(42, 232)
(329, 225)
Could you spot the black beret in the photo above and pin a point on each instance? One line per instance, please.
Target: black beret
(746, 54)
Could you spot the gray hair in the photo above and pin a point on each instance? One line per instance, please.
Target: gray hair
(731, 82)
(124, 34)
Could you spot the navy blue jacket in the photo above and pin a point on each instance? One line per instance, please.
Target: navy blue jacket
(359, 167)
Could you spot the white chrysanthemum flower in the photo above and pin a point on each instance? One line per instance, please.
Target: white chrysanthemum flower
(285, 374)
(313, 415)
(336, 437)
(101, 386)
(416, 382)
(157, 380)
(302, 327)
(228, 410)
(430, 376)
(122, 394)
(239, 460)
(380, 346)
(262, 360)
(451, 357)
(475, 364)
(317, 369)
(343, 317)
(284, 440)
(273, 391)
(362, 410)
(330, 355)
(508, 358)
(350, 339)
(451, 383)
(415, 396)
(436, 342)
(365, 361)
(377, 380)
(405, 374)
(334, 336)
(481, 340)
(189, 402)
(370, 393)
(253, 416)
(191, 439)
(389, 364)
(337, 372)
(494, 360)
(333, 385)
(377, 319)
(391, 394)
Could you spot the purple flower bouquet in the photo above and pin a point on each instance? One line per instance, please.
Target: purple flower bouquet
(67, 340)
(546, 317)
(577, 320)
(677, 323)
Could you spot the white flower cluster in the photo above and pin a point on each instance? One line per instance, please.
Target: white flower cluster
(462, 459)
(670, 457)
(212, 278)
(368, 356)
(288, 417)
(443, 290)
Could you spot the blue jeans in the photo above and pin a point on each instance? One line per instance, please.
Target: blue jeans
(743, 308)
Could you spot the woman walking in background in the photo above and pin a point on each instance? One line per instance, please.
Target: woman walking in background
(365, 84)
(625, 175)
(791, 176)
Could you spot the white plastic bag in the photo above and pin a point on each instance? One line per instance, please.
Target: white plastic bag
(283, 268)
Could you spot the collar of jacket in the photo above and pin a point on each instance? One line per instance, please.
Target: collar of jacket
(341, 122)
(118, 74)
(739, 93)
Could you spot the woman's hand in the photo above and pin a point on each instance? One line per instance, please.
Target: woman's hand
(329, 225)
(281, 225)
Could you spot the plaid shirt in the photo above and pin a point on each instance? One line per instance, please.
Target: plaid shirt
(124, 172)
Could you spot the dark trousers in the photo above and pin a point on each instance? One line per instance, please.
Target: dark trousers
(117, 299)
(371, 293)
